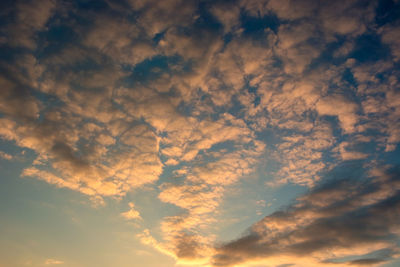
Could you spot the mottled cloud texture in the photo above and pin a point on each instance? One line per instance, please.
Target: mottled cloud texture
(191, 98)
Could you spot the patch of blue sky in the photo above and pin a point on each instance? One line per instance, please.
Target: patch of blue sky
(329, 54)
(158, 37)
(337, 130)
(327, 58)
(168, 175)
(344, 171)
(205, 20)
(382, 254)
(236, 108)
(348, 77)
(391, 158)
(92, 5)
(270, 136)
(369, 48)
(387, 11)
(394, 263)
(11, 148)
(227, 38)
(60, 222)
(40, 221)
(143, 199)
(10, 54)
(55, 39)
(203, 157)
(250, 200)
(7, 12)
(255, 26)
(373, 148)
(48, 102)
(152, 69)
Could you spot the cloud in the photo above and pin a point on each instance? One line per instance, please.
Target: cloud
(5, 155)
(192, 97)
(227, 14)
(220, 70)
(289, 9)
(53, 262)
(132, 213)
(346, 18)
(325, 222)
(15, 95)
(157, 16)
(119, 40)
(381, 112)
(200, 197)
(301, 155)
(295, 46)
(345, 154)
(390, 35)
(338, 106)
(30, 17)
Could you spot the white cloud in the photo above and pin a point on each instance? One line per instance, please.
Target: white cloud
(132, 213)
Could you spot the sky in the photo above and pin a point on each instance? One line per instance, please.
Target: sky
(199, 133)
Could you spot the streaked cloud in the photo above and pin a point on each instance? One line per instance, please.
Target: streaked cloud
(53, 262)
(324, 227)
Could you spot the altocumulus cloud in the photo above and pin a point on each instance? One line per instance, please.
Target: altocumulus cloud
(191, 98)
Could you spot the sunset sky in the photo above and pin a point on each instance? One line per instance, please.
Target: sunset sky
(199, 133)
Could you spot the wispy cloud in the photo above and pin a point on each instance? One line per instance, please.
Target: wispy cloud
(53, 262)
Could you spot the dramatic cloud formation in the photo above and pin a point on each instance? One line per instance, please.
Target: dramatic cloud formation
(191, 102)
(346, 217)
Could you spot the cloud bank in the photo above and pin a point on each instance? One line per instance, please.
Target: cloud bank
(347, 221)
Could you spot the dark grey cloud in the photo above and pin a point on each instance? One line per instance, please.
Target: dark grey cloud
(366, 261)
(342, 214)
(187, 247)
